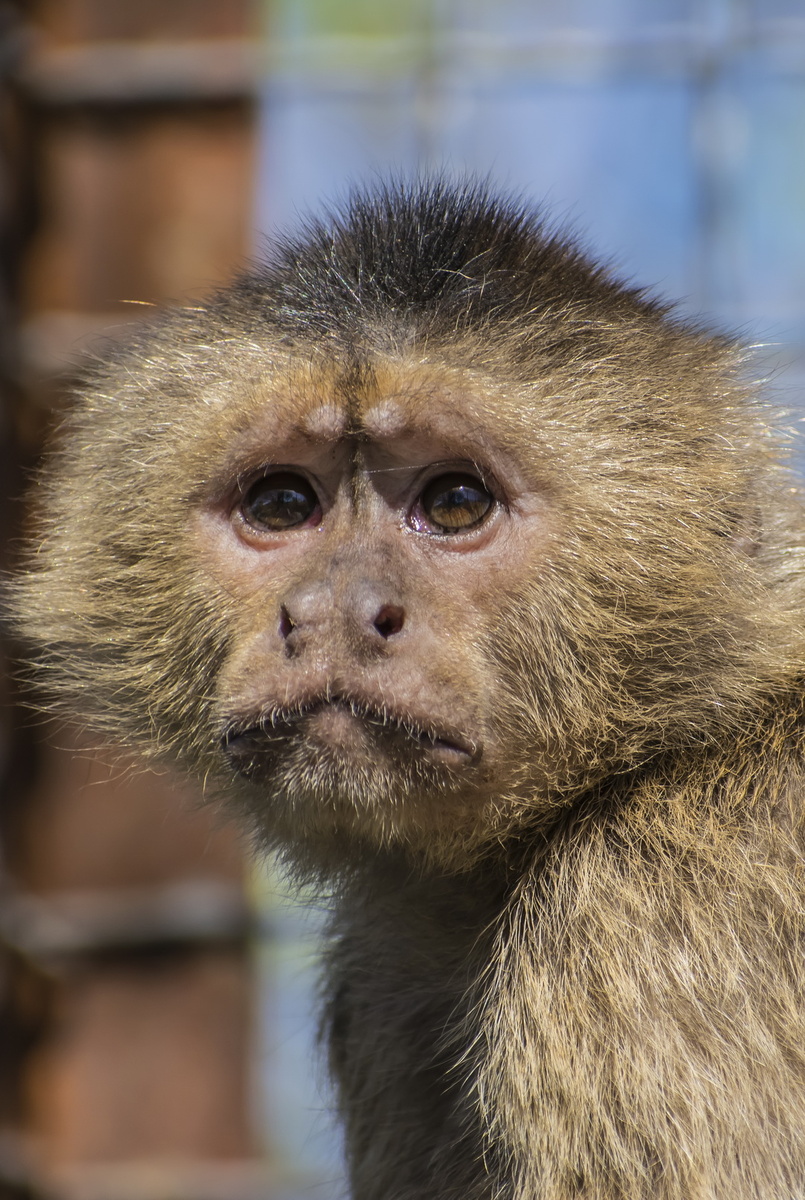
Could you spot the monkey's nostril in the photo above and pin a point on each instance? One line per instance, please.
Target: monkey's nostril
(389, 620)
(286, 624)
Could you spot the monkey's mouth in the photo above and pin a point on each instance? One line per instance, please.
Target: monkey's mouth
(344, 728)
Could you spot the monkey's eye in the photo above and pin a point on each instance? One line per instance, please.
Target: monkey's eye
(280, 501)
(453, 503)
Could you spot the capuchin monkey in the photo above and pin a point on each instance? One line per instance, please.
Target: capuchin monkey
(471, 577)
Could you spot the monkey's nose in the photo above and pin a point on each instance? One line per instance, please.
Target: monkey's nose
(316, 612)
(370, 612)
(306, 609)
(389, 620)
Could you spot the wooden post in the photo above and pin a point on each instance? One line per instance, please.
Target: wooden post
(127, 895)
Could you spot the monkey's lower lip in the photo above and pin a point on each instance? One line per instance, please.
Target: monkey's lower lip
(345, 725)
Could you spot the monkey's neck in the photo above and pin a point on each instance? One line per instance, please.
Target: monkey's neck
(591, 1020)
(406, 957)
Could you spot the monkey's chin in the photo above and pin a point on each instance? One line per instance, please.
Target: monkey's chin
(338, 768)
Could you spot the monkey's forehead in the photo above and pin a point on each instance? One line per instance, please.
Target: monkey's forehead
(376, 401)
(384, 416)
(281, 406)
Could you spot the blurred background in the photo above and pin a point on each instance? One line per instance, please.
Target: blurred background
(157, 988)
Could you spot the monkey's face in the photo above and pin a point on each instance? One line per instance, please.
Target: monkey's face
(365, 533)
(448, 607)
(402, 599)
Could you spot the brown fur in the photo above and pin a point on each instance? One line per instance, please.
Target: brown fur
(566, 957)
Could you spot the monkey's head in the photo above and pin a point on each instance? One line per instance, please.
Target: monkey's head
(413, 534)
